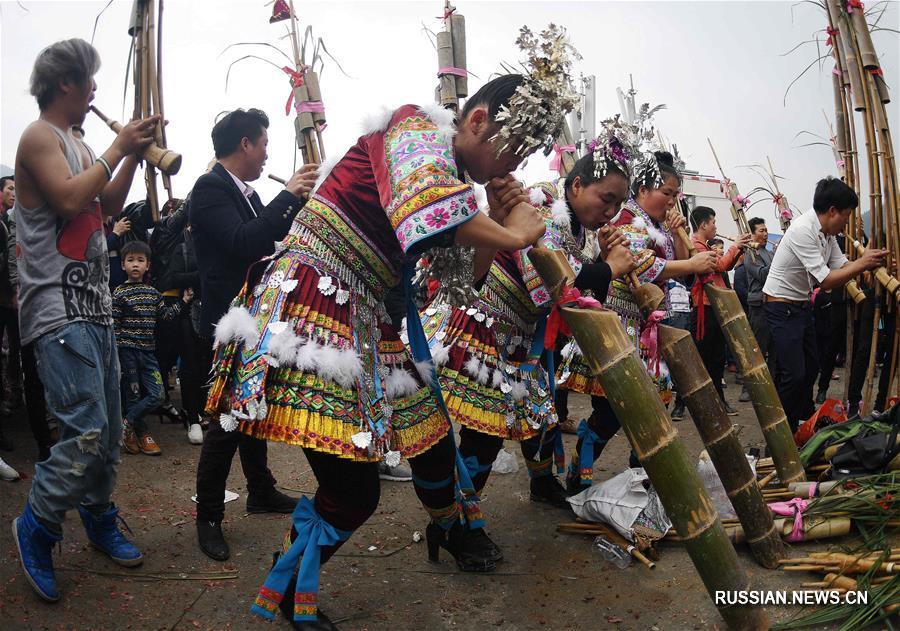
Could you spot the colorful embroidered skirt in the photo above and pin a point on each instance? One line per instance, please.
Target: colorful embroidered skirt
(328, 372)
(575, 375)
(490, 383)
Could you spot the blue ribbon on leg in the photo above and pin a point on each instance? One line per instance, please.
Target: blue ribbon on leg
(313, 532)
(418, 345)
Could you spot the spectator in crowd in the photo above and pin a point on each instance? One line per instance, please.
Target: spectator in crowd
(680, 299)
(232, 230)
(63, 192)
(808, 253)
(137, 306)
(174, 268)
(33, 389)
(9, 307)
(704, 325)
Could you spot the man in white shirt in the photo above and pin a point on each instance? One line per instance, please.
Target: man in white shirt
(808, 255)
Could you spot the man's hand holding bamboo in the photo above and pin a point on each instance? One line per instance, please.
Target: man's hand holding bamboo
(303, 181)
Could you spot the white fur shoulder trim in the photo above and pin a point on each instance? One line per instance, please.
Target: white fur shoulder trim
(559, 212)
(376, 121)
(442, 117)
(537, 197)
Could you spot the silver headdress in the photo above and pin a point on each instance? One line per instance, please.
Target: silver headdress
(536, 112)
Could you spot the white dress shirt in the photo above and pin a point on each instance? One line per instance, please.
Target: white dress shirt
(804, 257)
(244, 188)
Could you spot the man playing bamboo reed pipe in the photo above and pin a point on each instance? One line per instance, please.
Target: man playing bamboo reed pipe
(66, 309)
(704, 325)
(808, 254)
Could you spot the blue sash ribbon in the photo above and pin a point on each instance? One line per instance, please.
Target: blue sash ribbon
(313, 532)
(586, 454)
(418, 346)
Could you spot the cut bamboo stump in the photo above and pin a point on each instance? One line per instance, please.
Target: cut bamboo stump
(722, 444)
(611, 356)
(758, 381)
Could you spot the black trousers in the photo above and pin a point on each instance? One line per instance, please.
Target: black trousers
(168, 345)
(9, 322)
(824, 316)
(711, 346)
(193, 373)
(216, 455)
(794, 345)
(34, 398)
(862, 346)
(349, 491)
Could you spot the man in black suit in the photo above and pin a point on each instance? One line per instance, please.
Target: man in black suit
(232, 230)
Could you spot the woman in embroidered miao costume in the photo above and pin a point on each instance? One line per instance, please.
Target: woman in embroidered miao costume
(647, 220)
(307, 355)
(489, 353)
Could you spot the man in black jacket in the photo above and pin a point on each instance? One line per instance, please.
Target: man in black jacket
(232, 230)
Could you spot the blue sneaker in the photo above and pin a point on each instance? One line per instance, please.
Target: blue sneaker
(104, 534)
(35, 544)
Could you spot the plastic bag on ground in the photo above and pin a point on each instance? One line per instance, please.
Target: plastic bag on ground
(626, 502)
(611, 552)
(505, 463)
(707, 472)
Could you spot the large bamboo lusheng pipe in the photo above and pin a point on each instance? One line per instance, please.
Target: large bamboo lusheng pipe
(612, 358)
(756, 377)
(165, 160)
(722, 444)
(891, 284)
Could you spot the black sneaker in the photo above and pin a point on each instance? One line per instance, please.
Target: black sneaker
(548, 490)
(678, 411)
(729, 409)
(820, 398)
(745, 396)
(852, 410)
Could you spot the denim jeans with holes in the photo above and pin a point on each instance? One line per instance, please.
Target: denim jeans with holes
(140, 371)
(79, 367)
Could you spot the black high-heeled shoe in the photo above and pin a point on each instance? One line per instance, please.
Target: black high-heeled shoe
(467, 549)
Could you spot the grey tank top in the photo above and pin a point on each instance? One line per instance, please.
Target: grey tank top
(63, 264)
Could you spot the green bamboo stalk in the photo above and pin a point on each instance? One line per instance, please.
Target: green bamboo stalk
(612, 357)
(756, 378)
(758, 381)
(721, 441)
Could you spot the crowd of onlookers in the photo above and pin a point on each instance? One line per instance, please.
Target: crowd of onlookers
(155, 288)
(749, 260)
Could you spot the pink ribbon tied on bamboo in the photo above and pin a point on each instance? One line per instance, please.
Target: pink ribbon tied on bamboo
(831, 33)
(794, 508)
(297, 78)
(650, 340)
(855, 4)
(556, 325)
(556, 160)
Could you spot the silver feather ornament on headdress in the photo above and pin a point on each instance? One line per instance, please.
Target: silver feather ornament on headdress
(535, 114)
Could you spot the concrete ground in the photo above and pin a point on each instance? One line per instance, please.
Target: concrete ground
(380, 579)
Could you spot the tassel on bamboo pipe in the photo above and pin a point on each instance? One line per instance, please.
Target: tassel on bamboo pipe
(757, 379)
(632, 395)
(165, 160)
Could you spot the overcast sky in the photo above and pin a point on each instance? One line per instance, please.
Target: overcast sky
(718, 66)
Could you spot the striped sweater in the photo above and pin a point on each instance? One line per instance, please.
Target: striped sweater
(136, 307)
